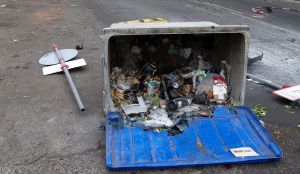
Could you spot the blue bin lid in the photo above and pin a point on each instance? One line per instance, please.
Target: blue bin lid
(206, 141)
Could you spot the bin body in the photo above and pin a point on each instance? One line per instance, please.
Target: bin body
(206, 141)
(215, 42)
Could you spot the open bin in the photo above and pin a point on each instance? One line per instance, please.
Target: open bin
(206, 140)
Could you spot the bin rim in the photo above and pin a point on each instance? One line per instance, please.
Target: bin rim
(174, 28)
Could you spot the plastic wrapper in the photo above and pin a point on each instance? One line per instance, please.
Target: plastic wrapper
(158, 118)
(153, 84)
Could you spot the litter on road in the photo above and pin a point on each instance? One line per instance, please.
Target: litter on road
(58, 62)
(259, 110)
(291, 93)
(262, 10)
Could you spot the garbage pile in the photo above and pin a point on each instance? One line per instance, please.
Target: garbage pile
(169, 101)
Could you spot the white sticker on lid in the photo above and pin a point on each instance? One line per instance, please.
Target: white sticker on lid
(243, 152)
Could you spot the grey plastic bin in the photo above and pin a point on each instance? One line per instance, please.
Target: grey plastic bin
(218, 42)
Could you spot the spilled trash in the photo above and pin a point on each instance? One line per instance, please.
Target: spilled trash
(259, 110)
(262, 10)
(147, 96)
(290, 107)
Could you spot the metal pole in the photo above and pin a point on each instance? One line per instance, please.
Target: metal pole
(264, 81)
(69, 78)
(270, 84)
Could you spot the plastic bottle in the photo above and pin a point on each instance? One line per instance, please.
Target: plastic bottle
(178, 103)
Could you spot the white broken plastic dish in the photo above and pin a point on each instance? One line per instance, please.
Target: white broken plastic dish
(135, 108)
(51, 58)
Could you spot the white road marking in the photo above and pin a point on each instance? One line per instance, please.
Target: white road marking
(203, 9)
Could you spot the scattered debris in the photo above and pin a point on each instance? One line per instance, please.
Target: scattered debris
(259, 110)
(79, 47)
(3, 5)
(135, 108)
(277, 134)
(289, 107)
(255, 59)
(261, 10)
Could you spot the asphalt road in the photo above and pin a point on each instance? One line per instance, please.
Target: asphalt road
(276, 34)
(41, 129)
